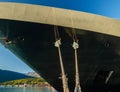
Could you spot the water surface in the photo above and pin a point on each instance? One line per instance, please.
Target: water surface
(26, 89)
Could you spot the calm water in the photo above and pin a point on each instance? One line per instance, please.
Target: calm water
(25, 89)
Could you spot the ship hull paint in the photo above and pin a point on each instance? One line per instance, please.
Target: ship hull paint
(60, 17)
(32, 39)
(98, 54)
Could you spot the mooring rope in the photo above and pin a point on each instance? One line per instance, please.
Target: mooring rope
(57, 44)
(75, 47)
(64, 78)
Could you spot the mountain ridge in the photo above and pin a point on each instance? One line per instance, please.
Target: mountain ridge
(6, 75)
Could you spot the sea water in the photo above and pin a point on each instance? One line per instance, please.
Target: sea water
(26, 89)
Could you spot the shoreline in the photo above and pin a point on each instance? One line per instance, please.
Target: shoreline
(25, 85)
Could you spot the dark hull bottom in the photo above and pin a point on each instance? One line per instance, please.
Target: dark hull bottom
(98, 54)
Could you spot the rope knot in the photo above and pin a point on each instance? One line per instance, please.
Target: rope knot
(75, 45)
(57, 43)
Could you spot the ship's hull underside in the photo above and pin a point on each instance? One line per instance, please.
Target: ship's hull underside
(98, 54)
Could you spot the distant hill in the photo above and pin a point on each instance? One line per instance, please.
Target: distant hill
(33, 74)
(6, 75)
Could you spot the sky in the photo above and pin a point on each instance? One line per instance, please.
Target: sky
(110, 8)
(8, 61)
